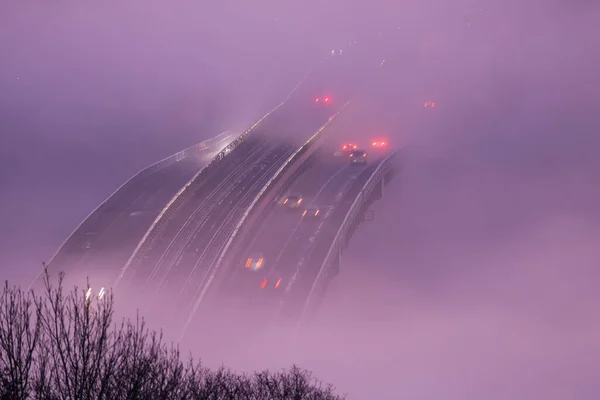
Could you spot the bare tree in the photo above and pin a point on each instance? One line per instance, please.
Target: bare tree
(295, 383)
(66, 346)
(19, 336)
(80, 340)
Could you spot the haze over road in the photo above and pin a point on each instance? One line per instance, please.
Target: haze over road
(478, 278)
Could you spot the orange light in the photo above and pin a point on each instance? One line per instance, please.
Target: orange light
(278, 282)
(304, 213)
(248, 263)
(264, 283)
(326, 100)
(285, 201)
(299, 201)
(317, 213)
(316, 100)
(433, 104)
(259, 262)
(374, 143)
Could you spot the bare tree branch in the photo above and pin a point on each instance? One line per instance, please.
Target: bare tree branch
(66, 346)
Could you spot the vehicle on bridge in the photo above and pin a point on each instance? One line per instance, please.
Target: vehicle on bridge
(293, 200)
(358, 157)
(255, 261)
(271, 283)
(349, 148)
(323, 100)
(378, 143)
(316, 212)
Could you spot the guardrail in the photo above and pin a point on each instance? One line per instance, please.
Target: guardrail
(262, 199)
(354, 216)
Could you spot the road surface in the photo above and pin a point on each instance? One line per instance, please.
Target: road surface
(172, 267)
(104, 241)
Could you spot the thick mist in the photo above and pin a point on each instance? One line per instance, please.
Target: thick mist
(477, 278)
(130, 82)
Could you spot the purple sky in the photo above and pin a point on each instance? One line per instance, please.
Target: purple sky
(478, 278)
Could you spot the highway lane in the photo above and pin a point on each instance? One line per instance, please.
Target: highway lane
(240, 297)
(277, 226)
(170, 269)
(176, 267)
(285, 239)
(313, 258)
(201, 245)
(293, 249)
(285, 253)
(188, 213)
(104, 241)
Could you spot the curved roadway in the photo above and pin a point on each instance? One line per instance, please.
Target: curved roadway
(293, 246)
(170, 270)
(103, 242)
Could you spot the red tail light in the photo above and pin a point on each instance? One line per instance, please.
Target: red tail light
(264, 284)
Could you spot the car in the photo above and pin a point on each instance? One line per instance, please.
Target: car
(349, 147)
(312, 213)
(316, 212)
(271, 283)
(323, 100)
(255, 261)
(358, 157)
(293, 200)
(429, 103)
(380, 144)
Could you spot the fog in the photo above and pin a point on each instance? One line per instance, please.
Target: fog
(477, 278)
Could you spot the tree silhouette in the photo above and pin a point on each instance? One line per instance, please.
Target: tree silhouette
(67, 346)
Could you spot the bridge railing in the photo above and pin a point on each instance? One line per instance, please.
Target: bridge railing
(190, 151)
(354, 216)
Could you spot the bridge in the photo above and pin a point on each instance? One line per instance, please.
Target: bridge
(211, 228)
